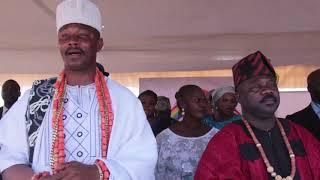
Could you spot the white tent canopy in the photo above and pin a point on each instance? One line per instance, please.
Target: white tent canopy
(166, 35)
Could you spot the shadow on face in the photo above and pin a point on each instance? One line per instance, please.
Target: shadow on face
(314, 85)
(259, 96)
(10, 92)
(193, 101)
(149, 99)
(149, 105)
(78, 46)
(227, 104)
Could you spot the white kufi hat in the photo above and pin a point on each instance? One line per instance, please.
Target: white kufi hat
(78, 11)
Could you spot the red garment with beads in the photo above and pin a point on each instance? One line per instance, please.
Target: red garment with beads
(229, 155)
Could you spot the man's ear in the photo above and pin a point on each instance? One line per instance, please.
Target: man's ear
(100, 44)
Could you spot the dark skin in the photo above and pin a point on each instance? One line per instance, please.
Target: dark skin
(75, 171)
(10, 93)
(210, 108)
(17, 172)
(314, 86)
(226, 106)
(78, 46)
(149, 104)
(195, 107)
(259, 99)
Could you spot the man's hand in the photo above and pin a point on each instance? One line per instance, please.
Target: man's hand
(18, 172)
(75, 171)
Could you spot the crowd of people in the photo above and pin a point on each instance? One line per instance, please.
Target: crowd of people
(82, 125)
(215, 141)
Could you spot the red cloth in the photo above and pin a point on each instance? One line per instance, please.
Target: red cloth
(253, 65)
(222, 159)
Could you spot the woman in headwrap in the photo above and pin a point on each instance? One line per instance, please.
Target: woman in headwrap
(224, 102)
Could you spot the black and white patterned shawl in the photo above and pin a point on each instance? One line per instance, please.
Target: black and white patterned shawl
(39, 101)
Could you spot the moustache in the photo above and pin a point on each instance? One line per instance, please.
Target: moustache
(267, 97)
(70, 49)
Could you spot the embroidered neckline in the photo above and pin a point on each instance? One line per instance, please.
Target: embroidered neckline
(57, 156)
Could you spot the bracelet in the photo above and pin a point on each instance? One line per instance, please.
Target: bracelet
(37, 176)
(103, 170)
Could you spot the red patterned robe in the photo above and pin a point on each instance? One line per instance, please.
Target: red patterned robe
(232, 154)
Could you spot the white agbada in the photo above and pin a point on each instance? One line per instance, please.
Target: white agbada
(132, 152)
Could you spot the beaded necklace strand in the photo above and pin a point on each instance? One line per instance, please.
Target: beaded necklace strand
(270, 169)
(57, 157)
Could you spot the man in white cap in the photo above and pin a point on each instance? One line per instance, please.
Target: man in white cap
(81, 125)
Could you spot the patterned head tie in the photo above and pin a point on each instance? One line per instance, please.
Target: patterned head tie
(253, 65)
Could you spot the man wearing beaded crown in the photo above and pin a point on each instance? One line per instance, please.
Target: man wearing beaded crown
(260, 146)
(81, 125)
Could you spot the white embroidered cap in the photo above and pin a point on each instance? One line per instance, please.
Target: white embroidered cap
(78, 11)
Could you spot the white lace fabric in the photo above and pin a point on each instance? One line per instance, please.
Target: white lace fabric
(179, 156)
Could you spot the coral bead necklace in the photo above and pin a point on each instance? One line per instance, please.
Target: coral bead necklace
(270, 169)
(57, 157)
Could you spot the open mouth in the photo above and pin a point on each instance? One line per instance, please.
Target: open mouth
(74, 52)
(269, 101)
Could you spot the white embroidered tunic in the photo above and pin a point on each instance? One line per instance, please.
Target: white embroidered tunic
(132, 152)
(81, 117)
(178, 155)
